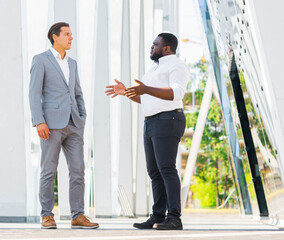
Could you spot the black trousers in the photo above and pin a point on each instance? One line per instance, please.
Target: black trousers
(162, 133)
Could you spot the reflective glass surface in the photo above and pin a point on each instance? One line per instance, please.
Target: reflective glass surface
(232, 24)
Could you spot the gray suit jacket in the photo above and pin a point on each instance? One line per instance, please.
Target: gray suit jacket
(52, 101)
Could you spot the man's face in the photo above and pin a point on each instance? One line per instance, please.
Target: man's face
(64, 39)
(157, 49)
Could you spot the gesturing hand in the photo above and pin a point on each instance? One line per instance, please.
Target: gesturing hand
(114, 90)
(138, 90)
(43, 131)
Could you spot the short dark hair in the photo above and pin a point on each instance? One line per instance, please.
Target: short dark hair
(169, 40)
(56, 29)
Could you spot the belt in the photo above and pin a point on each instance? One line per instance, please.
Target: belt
(176, 110)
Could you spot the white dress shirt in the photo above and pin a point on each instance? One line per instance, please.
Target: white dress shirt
(169, 72)
(63, 63)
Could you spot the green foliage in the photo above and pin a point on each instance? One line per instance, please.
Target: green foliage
(56, 189)
(205, 192)
(249, 107)
(187, 98)
(214, 114)
(198, 96)
(239, 133)
(255, 121)
(243, 82)
(212, 178)
(191, 120)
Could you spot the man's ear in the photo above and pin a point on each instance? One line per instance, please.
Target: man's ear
(54, 37)
(167, 49)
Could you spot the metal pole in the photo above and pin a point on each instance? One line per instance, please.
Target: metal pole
(250, 149)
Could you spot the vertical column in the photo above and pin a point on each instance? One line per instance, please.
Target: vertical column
(65, 11)
(150, 17)
(85, 45)
(125, 176)
(105, 196)
(170, 16)
(170, 24)
(158, 14)
(32, 145)
(141, 199)
(167, 17)
(157, 25)
(50, 19)
(13, 201)
(176, 30)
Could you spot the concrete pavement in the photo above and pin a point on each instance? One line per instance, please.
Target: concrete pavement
(196, 226)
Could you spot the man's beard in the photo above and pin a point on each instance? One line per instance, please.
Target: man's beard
(155, 57)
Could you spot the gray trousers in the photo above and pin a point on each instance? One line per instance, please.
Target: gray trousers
(70, 139)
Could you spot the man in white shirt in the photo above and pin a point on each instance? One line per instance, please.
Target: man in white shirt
(160, 92)
(59, 114)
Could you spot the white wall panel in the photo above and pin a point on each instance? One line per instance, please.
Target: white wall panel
(13, 201)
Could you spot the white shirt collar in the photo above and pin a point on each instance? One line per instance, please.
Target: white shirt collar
(57, 54)
(166, 58)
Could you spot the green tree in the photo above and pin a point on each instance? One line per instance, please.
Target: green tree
(212, 178)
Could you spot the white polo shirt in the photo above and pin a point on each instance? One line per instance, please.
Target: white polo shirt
(169, 72)
(63, 63)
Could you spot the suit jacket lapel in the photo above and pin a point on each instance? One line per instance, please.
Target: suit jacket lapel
(70, 64)
(56, 65)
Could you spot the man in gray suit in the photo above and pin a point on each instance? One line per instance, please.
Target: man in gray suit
(58, 113)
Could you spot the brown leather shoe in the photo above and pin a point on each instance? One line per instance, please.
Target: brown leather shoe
(48, 223)
(83, 222)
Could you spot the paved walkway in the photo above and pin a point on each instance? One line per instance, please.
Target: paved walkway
(196, 226)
